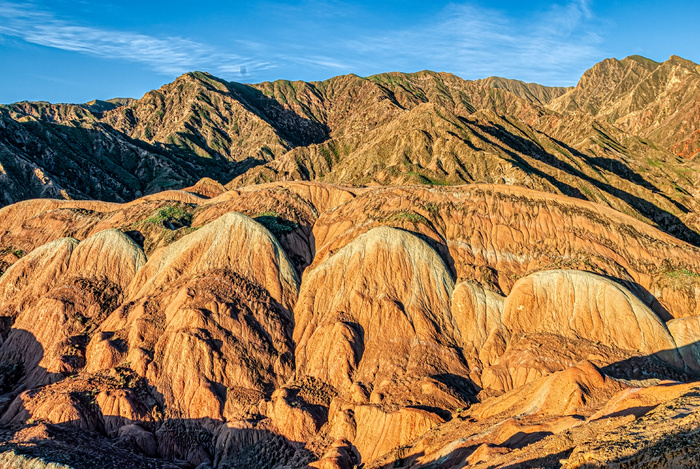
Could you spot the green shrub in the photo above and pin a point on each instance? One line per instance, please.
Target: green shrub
(171, 217)
(682, 273)
(275, 224)
(12, 250)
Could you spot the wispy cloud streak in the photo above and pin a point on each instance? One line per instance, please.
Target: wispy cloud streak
(329, 37)
(554, 47)
(167, 55)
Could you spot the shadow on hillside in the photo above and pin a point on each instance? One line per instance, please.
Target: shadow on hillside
(458, 458)
(620, 169)
(645, 296)
(113, 441)
(105, 164)
(656, 365)
(20, 355)
(293, 127)
(519, 161)
(94, 160)
(666, 221)
(638, 371)
(297, 239)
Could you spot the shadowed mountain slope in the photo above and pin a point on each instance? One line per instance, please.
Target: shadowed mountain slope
(623, 137)
(402, 270)
(435, 129)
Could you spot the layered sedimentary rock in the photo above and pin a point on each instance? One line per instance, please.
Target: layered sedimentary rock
(376, 310)
(586, 306)
(207, 315)
(80, 284)
(310, 324)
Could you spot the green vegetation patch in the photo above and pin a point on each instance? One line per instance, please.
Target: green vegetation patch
(680, 273)
(411, 217)
(171, 217)
(427, 180)
(274, 223)
(12, 250)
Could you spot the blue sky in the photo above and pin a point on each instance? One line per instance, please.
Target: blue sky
(76, 51)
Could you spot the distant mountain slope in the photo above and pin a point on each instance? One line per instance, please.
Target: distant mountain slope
(626, 136)
(659, 101)
(203, 115)
(198, 126)
(436, 129)
(68, 153)
(531, 91)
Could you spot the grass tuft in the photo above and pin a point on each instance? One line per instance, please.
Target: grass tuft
(274, 223)
(171, 217)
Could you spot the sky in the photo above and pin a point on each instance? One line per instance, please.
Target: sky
(77, 51)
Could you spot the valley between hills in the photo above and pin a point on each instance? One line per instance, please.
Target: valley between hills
(402, 270)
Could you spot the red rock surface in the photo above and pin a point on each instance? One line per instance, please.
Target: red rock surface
(309, 324)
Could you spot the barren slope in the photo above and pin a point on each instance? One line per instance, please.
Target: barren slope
(334, 326)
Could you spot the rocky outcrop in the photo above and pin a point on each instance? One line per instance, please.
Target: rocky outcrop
(206, 187)
(34, 275)
(208, 319)
(374, 432)
(574, 391)
(377, 313)
(664, 437)
(233, 242)
(583, 305)
(311, 324)
(78, 284)
(497, 234)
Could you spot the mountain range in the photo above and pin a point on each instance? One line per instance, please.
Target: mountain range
(626, 136)
(403, 270)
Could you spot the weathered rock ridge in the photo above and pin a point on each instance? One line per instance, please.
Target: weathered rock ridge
(306, 324)
(625, 137)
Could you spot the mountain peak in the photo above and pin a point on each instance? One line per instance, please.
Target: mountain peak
(641, 60)
(407, 269)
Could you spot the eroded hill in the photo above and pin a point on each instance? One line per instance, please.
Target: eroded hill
(624, 137)
(305, 324)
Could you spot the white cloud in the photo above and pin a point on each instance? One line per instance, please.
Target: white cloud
(167, 55)
(554, 47)
(551, 47)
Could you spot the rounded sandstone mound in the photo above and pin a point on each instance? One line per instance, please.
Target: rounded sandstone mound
(377, 312)
(477, 311)
(34, 274)
(109, 254)
(57, 296)
(233, 241)
(495, 234)
(381, 326)
(583, 305)
(209, 323)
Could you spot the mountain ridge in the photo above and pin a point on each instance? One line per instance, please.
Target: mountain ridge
(401, 270)
(611, 138)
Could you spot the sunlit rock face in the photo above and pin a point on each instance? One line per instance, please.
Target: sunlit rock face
(344, 300)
